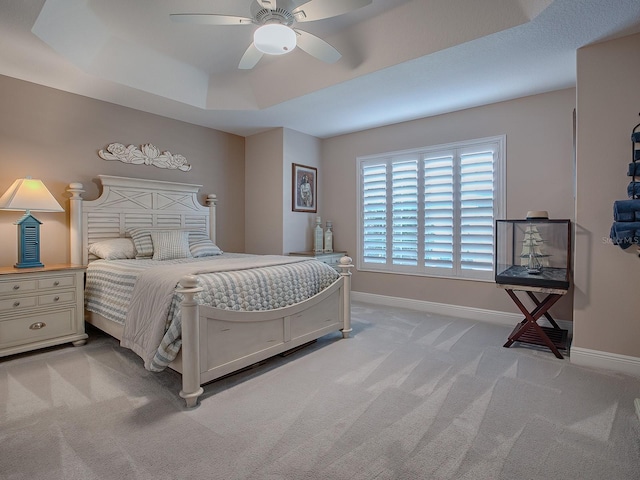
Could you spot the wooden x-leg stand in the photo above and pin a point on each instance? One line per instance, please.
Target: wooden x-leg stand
(528, 331)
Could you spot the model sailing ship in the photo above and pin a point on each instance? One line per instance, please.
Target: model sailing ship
(533, 256)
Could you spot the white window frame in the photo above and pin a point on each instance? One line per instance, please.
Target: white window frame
(499, 207)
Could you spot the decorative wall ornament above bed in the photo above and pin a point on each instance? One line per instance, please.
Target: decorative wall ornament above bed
(145, 155)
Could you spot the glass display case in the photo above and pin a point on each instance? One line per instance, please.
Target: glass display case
(533, 252)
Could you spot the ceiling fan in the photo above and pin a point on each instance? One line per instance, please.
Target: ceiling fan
(276, 34)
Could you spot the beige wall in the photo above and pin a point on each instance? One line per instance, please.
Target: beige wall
(271, 226)
(55, 136)
(607, 278)
(305, 150)
(263, 192)
(539, 131)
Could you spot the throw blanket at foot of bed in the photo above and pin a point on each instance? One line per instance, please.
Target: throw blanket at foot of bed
(147, 330)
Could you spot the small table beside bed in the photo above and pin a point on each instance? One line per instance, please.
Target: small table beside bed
(157, 282)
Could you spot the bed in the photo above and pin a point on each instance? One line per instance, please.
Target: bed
(204, 342)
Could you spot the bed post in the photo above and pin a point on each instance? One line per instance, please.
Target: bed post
(75, 217)
(345, 265)
(191, 388)
(212, 200)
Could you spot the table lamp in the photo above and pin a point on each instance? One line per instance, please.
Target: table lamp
(29, 194)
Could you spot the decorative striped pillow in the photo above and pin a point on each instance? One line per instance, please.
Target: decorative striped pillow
(142, 240)
(201, 245)
(168, 245)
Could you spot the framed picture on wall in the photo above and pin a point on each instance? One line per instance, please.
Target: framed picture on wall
(304, 193)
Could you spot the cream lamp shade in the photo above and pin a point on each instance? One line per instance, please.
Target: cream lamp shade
(29, 194)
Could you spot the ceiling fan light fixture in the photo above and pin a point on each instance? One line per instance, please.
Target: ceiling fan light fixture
(274, 39)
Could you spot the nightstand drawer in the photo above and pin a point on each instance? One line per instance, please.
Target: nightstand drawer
(18, 286)
(59, 281)
(332, 259)
(55, 298)
(17, 304)
(36, 327)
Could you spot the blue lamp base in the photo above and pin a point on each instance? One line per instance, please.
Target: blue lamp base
(28, 242)
(28, 265)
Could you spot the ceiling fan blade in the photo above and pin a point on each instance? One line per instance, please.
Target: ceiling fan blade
(317, 47)
(251, 56)
(209, 19)
(319, 9)
(270, 4)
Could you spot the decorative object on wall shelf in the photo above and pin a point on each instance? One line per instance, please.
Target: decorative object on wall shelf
(304, 183)
(625, 230)
(29, 194)
(147, 154)
(634, 167)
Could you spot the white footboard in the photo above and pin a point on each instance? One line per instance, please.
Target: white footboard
(217, 342)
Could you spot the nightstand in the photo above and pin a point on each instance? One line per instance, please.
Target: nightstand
(332, 258)
(41, 307)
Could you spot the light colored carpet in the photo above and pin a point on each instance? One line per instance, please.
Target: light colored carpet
(409, 396)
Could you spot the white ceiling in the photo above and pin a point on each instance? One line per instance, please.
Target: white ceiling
(401, 59)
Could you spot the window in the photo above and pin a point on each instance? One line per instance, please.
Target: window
(432, 211)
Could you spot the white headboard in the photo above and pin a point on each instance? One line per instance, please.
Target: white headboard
(134, 202)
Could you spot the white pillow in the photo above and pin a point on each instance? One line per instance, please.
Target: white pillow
(171, 244)
(113, 249)
(201, 245)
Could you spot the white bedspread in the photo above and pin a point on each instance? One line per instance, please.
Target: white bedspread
(154, 290)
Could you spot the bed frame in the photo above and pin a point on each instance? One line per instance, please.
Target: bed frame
(215, 342)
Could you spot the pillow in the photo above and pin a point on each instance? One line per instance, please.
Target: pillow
(168, 245)
(113, 249)
(142, 240)
(200, 245)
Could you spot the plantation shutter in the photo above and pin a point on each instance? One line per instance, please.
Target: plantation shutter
(404, 201)
(439, 214)
(374, 213)
(476, 210)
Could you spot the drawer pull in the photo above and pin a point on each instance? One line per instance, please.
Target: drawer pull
(16, 287)
(56, 298)
(37, 325)
(16, 304)
(56, 283)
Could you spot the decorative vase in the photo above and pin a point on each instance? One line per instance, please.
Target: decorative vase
(318, 236)
(328, 239)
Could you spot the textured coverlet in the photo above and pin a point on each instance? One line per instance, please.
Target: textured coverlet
(121, 291)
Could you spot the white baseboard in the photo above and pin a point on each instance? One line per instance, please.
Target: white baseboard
(610, 361)
(578, 356)
(470, 313)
